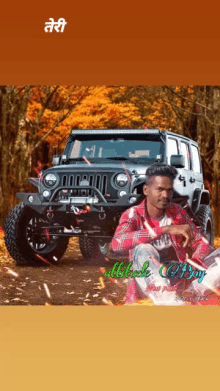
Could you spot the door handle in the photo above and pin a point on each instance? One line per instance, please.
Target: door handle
(192, 180)
(182, 178)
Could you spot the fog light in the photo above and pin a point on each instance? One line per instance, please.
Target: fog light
(30, 198)
(46, 193)
(122, 193)
(132, 200)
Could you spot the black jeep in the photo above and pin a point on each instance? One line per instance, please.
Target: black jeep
(100, 174)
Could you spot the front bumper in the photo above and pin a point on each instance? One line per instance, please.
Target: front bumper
(37, 202)
(69, 218)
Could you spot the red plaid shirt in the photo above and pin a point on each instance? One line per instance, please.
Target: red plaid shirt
(135, 227)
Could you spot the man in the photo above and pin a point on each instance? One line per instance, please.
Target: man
(162, 233)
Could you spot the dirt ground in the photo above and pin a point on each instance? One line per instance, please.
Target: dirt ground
(71, 282)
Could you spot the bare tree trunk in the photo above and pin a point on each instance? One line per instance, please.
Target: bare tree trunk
(5, 157)
(216, 158)
(215, 192)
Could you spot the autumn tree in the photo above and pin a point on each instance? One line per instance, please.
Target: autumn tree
(25, 111)
(35, 123)
(33, 118)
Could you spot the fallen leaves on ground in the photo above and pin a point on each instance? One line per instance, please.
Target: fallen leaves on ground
(102, 288)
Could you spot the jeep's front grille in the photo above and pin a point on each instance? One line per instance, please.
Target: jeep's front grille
(99, 181)
(64, 181)
(71, 180)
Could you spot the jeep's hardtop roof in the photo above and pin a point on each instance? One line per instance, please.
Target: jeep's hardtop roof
(180, 136)
(151, 131)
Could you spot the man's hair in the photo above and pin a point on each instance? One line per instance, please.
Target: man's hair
(160, 169)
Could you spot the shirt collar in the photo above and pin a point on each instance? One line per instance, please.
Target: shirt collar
(141, 209)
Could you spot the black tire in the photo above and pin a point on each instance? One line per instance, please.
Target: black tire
(205, 219)
(93, 249)
(18, 238)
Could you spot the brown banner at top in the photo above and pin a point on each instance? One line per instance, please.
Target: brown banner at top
(116, 44)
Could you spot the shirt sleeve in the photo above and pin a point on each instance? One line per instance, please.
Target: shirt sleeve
(128, 234)
(200, 245)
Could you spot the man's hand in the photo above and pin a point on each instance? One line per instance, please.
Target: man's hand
(184, 230)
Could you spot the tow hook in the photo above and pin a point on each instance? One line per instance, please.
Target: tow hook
(77, 211)
(50, 215)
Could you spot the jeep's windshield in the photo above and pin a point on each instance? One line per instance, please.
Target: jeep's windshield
(115, 148)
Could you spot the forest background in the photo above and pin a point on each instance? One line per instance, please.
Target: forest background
(35, 122)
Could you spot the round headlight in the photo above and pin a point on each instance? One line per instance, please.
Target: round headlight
(50, 180)
(121, 180)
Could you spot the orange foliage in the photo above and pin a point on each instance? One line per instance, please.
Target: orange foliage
(96, 110)
(101, 107)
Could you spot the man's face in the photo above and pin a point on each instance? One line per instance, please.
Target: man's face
(159, 192)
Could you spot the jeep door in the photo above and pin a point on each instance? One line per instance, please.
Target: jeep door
(173, 148)
(186, 174)
(197, 175)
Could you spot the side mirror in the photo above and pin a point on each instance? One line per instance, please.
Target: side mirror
(56, 160)
(177, 161)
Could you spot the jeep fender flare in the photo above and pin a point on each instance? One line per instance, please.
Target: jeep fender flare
(200, 197)
(138, 183)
